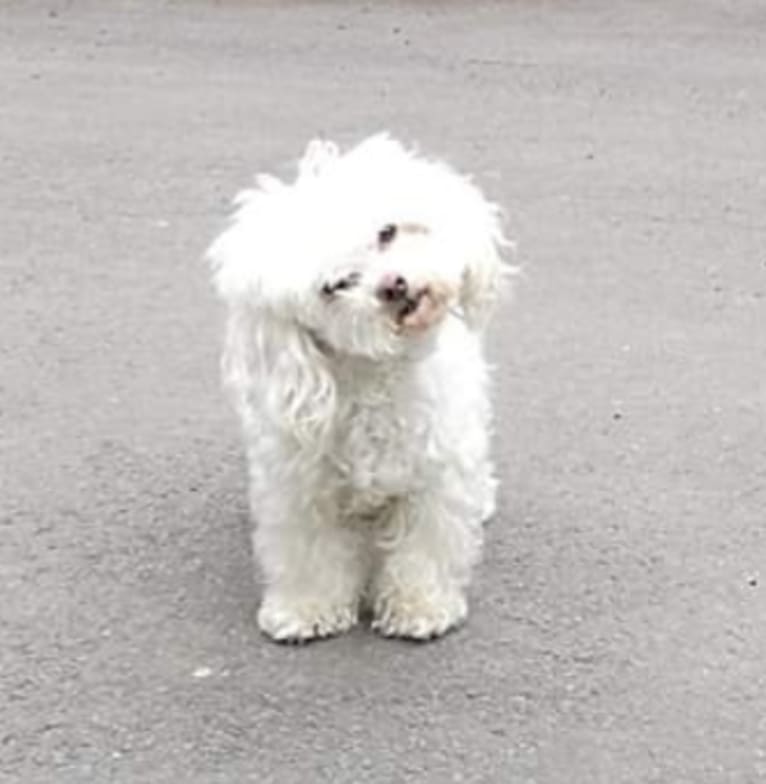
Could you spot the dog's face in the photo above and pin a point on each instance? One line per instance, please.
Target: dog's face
(366, 252)
(387, 292)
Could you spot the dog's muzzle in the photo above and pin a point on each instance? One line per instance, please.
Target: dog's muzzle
(412, 307)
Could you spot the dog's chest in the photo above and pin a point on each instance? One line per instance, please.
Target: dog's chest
(381, 441)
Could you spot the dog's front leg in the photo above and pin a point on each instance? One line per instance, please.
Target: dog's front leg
(313, 567)
(425, 557)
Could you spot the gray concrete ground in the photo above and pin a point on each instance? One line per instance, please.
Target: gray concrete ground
(619, 624)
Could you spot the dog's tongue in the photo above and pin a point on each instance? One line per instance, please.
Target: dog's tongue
(421, 313)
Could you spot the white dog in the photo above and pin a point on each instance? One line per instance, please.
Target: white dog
(357, 296)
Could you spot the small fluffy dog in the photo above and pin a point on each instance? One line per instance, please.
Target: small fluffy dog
(357, 296)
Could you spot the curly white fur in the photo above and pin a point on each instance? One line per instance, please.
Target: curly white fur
(357, 296)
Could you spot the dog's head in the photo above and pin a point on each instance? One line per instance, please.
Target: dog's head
(365, 254)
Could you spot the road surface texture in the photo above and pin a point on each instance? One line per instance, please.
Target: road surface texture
(618, 627)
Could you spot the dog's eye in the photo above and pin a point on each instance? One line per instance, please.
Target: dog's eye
(387, 235)
(341, 284)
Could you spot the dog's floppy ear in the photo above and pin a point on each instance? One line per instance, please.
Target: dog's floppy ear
(250, 260)
(274, 367)
(271, 363)
(485, 272)
(260, 257)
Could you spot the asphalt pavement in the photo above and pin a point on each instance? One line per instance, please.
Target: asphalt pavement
(618, 626)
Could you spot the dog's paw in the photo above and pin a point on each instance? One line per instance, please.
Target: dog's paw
(418, 616)
(301, 620)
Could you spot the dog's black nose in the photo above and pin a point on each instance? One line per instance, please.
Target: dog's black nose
(392, 288)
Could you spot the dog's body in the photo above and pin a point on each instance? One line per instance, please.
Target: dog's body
(357, 298)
